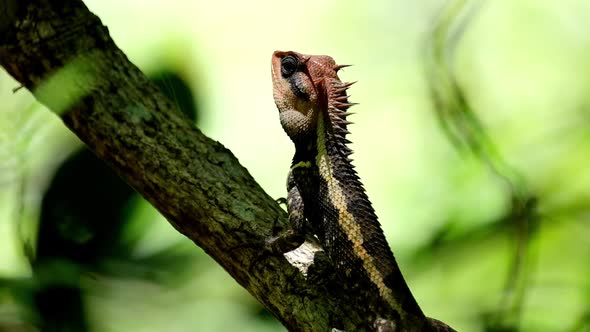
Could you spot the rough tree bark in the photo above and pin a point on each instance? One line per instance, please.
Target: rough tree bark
(63, 54)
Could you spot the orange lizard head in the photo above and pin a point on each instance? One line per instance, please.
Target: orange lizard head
(301, 85)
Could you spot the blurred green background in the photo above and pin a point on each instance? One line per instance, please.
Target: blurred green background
(491, 237)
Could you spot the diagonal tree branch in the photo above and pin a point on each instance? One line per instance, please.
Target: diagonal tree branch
(63, 54)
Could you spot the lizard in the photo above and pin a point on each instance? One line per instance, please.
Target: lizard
(324, 193)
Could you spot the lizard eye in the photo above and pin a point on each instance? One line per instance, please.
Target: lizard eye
(289, 65)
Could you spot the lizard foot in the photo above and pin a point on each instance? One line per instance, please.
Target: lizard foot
(284, 242)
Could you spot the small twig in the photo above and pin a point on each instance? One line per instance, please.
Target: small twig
(15, 90)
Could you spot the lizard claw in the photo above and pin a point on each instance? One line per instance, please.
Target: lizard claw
(281, 201)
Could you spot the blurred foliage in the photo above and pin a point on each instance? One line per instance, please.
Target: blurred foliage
(465, 131)
(471, 138)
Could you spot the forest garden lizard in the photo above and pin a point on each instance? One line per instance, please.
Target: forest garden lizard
(325, 195)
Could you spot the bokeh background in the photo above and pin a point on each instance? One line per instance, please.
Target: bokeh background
(471, 137)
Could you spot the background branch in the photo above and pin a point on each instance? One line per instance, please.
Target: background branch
(458, 120)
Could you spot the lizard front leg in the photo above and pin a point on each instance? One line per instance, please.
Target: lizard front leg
(295, 235)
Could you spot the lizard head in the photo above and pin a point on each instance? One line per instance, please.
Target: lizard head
(299, 90)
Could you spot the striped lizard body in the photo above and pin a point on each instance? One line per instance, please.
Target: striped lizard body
(325, 195)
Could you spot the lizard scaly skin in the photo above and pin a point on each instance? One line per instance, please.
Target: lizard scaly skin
(325, 195)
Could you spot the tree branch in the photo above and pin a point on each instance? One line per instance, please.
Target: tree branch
(64, 55)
